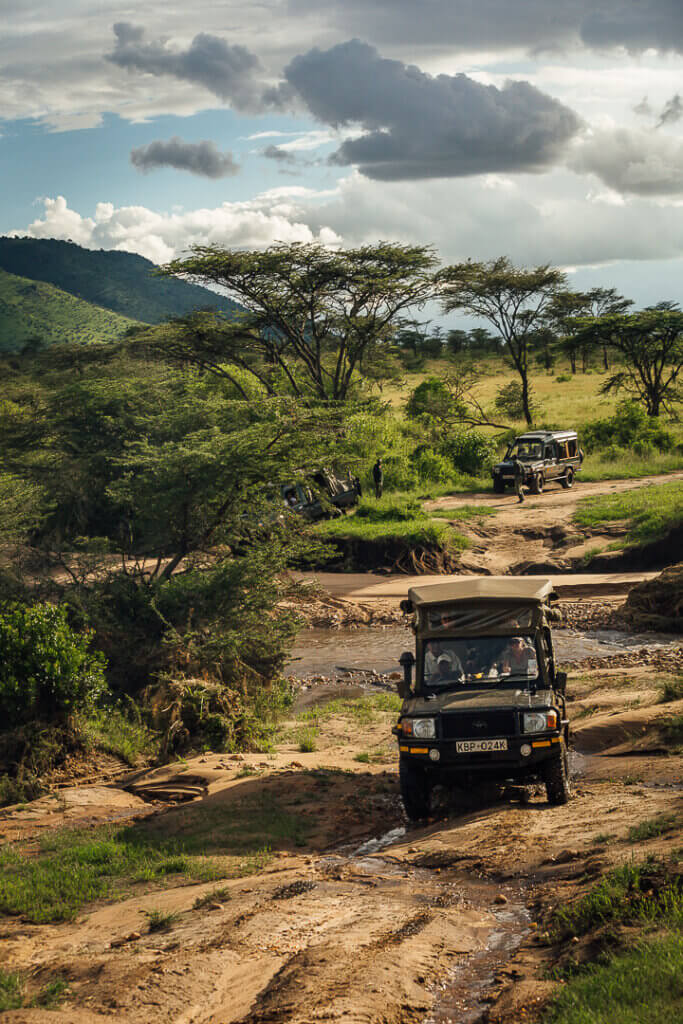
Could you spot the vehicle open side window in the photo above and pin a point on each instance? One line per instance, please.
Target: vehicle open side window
(548, 452)
(562, 450)
(571, 447)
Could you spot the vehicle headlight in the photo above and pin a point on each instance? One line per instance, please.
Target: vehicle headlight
(424, 728)
(540, 721)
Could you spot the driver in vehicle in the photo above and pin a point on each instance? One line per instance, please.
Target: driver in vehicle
(518, 657)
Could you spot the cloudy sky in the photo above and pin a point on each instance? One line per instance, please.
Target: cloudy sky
(546, 130)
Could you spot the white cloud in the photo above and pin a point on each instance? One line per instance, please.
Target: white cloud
(271, 217)
(632, 161)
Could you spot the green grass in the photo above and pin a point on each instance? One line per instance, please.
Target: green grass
(630, 894)
(76, 867)
(464, 512)
(629, 467)
(641, 986)
(307, 740)
(13, 993)
(112, 732)
(360, 712)
(653, 827)
(418, 531)
(363, 758)
(650, 511)
(158, 921)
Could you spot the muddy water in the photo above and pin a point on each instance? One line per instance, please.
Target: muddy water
(378, 648)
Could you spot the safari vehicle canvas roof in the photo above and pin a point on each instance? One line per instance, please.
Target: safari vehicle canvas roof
(538, 435)
(471, 588)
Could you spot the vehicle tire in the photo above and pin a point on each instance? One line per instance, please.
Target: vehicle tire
(556, 778)
(536, 485)
(498, 486)
(568, 478)
(416, 790)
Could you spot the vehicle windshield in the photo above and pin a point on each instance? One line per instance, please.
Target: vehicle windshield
(525, 450)
(475, 661)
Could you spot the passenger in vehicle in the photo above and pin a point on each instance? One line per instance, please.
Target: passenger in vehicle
(517, 658)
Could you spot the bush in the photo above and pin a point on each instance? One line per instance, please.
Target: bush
(431, 398)
(432, 467)
(470, 452)
(47, 670)
(630, 427)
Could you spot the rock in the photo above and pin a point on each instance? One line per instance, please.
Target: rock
(565, 856)
(500, 899)
(216, 906)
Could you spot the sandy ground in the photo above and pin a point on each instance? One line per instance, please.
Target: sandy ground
(435, 925)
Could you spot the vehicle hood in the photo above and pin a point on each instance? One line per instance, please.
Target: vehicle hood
(508, 465)
(478, 700)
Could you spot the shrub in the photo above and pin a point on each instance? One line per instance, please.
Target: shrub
(431, 398)
(47, 670)
(470, 451)
(629, 427)
(432, 467)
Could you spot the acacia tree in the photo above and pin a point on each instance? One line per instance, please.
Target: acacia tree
(567, 314)
(650, 343)
(515, 301)
(310, 312)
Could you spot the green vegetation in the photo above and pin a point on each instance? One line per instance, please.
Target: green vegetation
(631, 894)
(642, 986)
(119, 281)
(360, 712)
(220, 895)
(47, 670)
(307, 740)
(671, 730)
(113, 732)
(653, 827)
(13, 993)
(464, 512)
(158, 921)
(36, 315)
(672, 688)
(651, 512)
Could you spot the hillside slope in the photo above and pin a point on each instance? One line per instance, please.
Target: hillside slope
(119, 281)
(31, 311)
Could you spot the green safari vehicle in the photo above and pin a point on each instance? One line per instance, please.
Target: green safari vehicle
(487, 703)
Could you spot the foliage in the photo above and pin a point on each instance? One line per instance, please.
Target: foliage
(510, 400)
(639, 986)
(21, 507)
(629, 427)
(115, 280)
(311, 315)
(514, 301)
(47, 670)
(34, 315)
(469, 452)
(432, 397)
(112, 731)
(650, 346)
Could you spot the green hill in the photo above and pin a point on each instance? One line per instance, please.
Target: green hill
(34, 312)
(120, 281)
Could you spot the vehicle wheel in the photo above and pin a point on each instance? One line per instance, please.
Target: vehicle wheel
(568, 478)
(416, 790)
(498, 486)
(536, 485)
(556, 778)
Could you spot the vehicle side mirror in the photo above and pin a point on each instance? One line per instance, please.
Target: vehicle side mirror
(406, 661)
(406, 607)
(560, 681)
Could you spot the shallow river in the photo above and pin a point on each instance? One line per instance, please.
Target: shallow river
(378, 648)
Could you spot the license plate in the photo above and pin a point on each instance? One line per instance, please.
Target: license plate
(479, 746)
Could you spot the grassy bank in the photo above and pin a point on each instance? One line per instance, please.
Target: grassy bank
(627, 963)
(651, 512)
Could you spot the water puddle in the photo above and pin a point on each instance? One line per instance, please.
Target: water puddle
(461, 998)
(373, 649)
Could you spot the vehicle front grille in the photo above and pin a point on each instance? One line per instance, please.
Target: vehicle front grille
(478, 726)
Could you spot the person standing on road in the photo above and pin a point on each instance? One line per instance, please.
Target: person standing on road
(519, 471)
(378, 477)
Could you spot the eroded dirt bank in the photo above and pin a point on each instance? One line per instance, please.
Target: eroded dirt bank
(313, 922)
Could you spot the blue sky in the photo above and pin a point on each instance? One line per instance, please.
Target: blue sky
(544, 130)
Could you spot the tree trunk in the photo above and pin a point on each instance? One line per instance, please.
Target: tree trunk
(605, 360)
(525, 399)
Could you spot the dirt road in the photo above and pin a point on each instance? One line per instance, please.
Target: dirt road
(428, 924)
